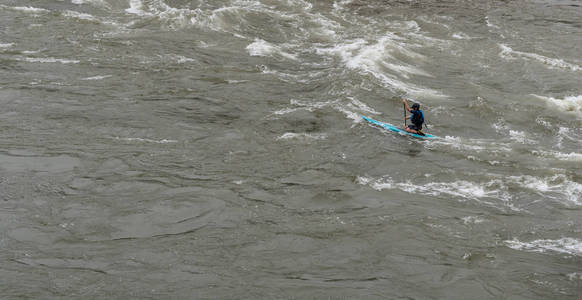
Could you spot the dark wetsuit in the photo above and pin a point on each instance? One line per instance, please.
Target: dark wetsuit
(416, 118)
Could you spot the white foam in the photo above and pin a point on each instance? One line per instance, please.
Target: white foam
(570, 104)
(356, 117)
(357, 104)
(231, 81)
(363, 180)
(47, 60)
(406, 70)
(519, 137)
(302, 136)
(335, 104)
(164, 141)
(369, 58)
(285, 111)
(183, 59)
(31, 52)
(262, 48)
(461, 189)
(568, 133)
(340, 5)
(301, 3)
(461, 36)
(345, 51)
(472, 220)
(173, 17)
(6, 45)
(411, 26)
(177, 58)
(327, 27)
(559, 187)
(283, 76)
(489, 24)
(500, 126)
(80, 16)
(312, 105)
(564, 245)
(427, 40)
(508, 53)
(304, 105)
(572, 156)
(100, 77)
(474, 145)
(27, 9)
(385, 183)
(136, 7)
(565, 133)
(99, 3)
(544, 123)
(215, 19)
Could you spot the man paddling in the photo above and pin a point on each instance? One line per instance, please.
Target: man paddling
(416, 118)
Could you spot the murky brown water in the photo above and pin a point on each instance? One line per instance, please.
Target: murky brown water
(191, 149)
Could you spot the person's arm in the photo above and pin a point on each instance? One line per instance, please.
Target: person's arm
(406, 105)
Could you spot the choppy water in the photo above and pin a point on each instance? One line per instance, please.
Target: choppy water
(179, 149)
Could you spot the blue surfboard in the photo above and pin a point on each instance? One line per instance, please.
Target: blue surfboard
(398, 130)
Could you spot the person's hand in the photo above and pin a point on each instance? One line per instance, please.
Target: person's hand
(403, 100)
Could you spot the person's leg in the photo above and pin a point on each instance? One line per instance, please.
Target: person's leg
(419, 130)
(411, 129)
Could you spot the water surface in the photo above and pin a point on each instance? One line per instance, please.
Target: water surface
(179, 149)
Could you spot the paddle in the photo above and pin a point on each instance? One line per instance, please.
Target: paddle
(404, 111)
(425, 124)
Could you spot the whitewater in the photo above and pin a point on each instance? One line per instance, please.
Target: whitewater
(185, 149)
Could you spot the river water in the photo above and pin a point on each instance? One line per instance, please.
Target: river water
(183, 149)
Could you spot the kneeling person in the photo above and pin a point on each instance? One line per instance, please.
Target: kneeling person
(416, 118)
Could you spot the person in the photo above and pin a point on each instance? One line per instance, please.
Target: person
(416, 118)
